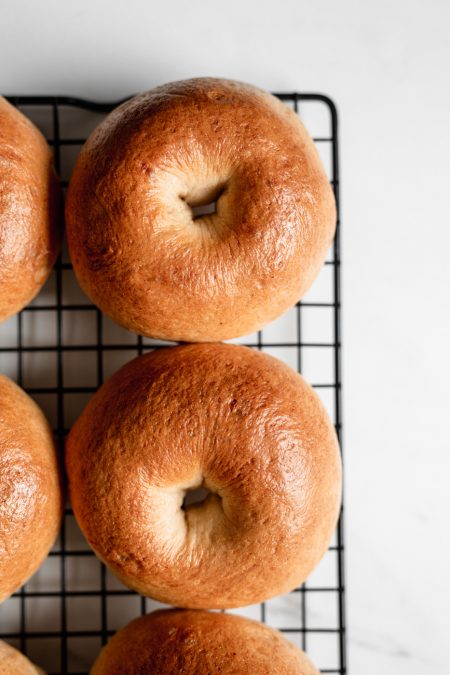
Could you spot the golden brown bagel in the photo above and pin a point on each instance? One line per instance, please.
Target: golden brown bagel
(30, 489)
(12, 662)
(30, 211)
(200, 643)
(230, 419)
(142, 256)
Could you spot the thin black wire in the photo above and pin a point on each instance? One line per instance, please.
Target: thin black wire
(148, 347)
(60, 400)
(303, 613)
(55, 104)
(22, 592)
(103, 591)
(98, 633)
(337, 377)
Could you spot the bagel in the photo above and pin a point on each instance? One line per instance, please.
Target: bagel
(30, 488)
(30, 211)
(193, 642)
(226, 418)
(12, 662)
(144, 255)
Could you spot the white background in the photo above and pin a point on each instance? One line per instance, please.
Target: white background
(386, 65)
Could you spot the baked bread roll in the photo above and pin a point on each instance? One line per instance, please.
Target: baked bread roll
(222, 417)
(12, 662)
(200, 643)
(139, 247)
(30, 488)
(30, 211)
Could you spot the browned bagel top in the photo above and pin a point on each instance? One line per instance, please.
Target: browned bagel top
(142, 255)
(30, 489)
(230, 419)
(30, 210)
(200, 643)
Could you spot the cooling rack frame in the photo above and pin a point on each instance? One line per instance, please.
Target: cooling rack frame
(22, 637)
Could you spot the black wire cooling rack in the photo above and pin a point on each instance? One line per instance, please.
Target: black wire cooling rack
(61, 348)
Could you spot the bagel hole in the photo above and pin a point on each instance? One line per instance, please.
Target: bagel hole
(196, 497)
(205, 203)
(203, 210)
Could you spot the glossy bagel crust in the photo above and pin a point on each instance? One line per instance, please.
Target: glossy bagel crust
(194, 642)
(30, 488)
(30, 211)
(12, 662)
(225, 417)
(138, 251)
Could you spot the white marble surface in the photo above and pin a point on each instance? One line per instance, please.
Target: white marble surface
(385, 65)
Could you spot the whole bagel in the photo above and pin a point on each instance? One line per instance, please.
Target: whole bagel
(200, 643)
(143, 256)
(12, 662)
(30, 490)
(223, 417)
(30, 211)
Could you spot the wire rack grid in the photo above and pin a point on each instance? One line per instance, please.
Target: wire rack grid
(61, 348)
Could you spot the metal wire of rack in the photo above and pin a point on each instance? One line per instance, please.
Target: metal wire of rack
(61, 348)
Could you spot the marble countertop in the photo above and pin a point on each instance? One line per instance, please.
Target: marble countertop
(384, 64)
